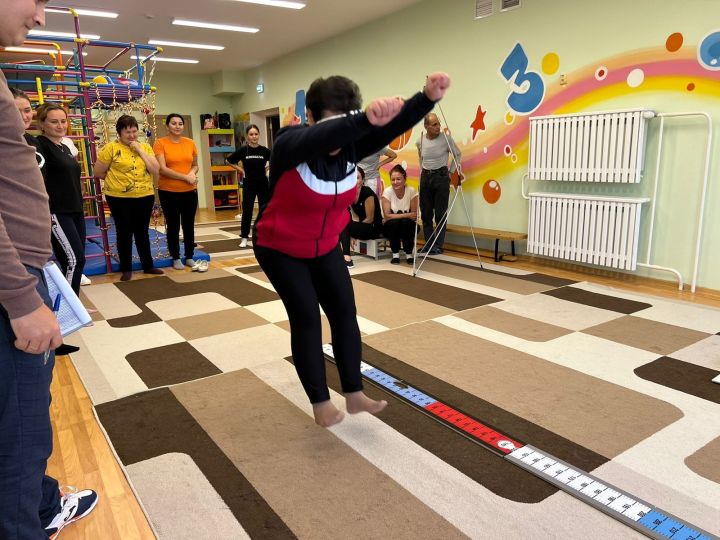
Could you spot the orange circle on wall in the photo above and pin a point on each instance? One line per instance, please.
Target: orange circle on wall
(674, 42)
(491, 191)
(399, 142)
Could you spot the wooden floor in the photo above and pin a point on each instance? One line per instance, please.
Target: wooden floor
(83, 458)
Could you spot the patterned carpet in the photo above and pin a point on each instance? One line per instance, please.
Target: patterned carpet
(192, 379)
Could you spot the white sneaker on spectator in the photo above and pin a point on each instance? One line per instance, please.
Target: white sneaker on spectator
(177, 264)
(190, 262)
(84, 280)
(243, 243)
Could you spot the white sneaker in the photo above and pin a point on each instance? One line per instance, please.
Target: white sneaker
(238, 216)
(74, 505)
(243, 243)
(200, 266)
(84, 280)
(190, 262)
(177, 264)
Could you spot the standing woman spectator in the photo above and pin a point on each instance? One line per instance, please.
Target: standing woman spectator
(365, 217)
(177, 188)
(371, 165)
(61, 172)
(128, 168)
(434, 151)
(251, 160)
(22, 102)
(400, 203)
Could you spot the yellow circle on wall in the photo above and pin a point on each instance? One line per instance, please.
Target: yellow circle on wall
(550, 63)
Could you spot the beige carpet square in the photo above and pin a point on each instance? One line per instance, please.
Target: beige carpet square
(190, 305)
(217, 322)
(245, 348)
(645, 334)
(557, 312)
(704, 353)
(110, 301)
(515, 325)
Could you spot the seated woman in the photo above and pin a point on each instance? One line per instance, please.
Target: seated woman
(128, 167)
(365, 217)
(400, 203)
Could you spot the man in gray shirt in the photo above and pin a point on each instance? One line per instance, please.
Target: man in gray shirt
(31, 505)
(434, 151)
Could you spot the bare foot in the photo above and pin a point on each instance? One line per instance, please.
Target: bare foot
(327, 414)
(358, 402)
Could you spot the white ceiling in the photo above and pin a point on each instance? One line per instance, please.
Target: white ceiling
(281, 30)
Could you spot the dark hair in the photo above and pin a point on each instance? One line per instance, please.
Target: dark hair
(45, 108)
(251, 126)
(17, 93)
(399, 169)
(126, 122)
(361, 171)
(171, 116)
(337, 94)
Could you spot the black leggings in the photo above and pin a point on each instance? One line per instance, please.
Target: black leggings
(132, 218)
(397, 230)
(358, 230)
(303, 284)
(68, 243)
(179, 207)
(252, 187)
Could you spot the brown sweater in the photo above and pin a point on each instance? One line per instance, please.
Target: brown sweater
(24, 213)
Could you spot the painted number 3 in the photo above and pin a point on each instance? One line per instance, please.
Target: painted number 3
(528, 88)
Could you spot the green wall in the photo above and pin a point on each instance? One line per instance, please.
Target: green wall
(392, 55)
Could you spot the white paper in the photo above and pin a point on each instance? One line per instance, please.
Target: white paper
(71, 314)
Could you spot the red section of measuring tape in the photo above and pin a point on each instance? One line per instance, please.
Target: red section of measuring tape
(474, 428)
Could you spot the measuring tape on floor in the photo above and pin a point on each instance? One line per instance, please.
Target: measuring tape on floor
(613, 501)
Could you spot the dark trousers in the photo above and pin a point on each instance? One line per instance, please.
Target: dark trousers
(28, 498)
(303, 284)
(68, 243)
(252, 188)
(356, 229)
(179, 207)
(400, 230)
(132, 219)
(434, 195)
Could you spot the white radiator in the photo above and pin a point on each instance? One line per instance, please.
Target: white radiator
(589, 147)
(594, 230)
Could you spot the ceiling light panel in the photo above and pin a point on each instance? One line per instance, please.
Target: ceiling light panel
(213, 26)
(186, 45)
(49, 33)
(275, 3)
(166, 59)
(85, 12)
(38, 50)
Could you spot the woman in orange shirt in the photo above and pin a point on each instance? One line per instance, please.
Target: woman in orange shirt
(177, 188)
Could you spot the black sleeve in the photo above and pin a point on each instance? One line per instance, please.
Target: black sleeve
(297, 144)
(236, 156)
(42, 149)
(412, 112)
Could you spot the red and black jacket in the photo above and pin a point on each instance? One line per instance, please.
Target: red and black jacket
(311, 190)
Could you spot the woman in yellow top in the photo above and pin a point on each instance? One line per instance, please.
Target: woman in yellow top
(177, 188)
(128, 167)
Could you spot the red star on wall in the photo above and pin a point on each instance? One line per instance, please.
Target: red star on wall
(479, 122)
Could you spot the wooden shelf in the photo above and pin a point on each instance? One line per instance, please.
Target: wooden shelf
(220, 131)
(222, 149)
(225, 188)
(222, 168)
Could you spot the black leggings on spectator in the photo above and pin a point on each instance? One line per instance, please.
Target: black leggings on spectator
(252, 188)
(179, 207)
(132, 218)
(68, 243)
(303, 286)
(358, 230)
(400, 230)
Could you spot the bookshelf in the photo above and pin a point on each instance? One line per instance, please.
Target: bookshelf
(221, 186)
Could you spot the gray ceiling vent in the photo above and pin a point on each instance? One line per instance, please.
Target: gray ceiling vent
(506, 5)
(483, 8)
